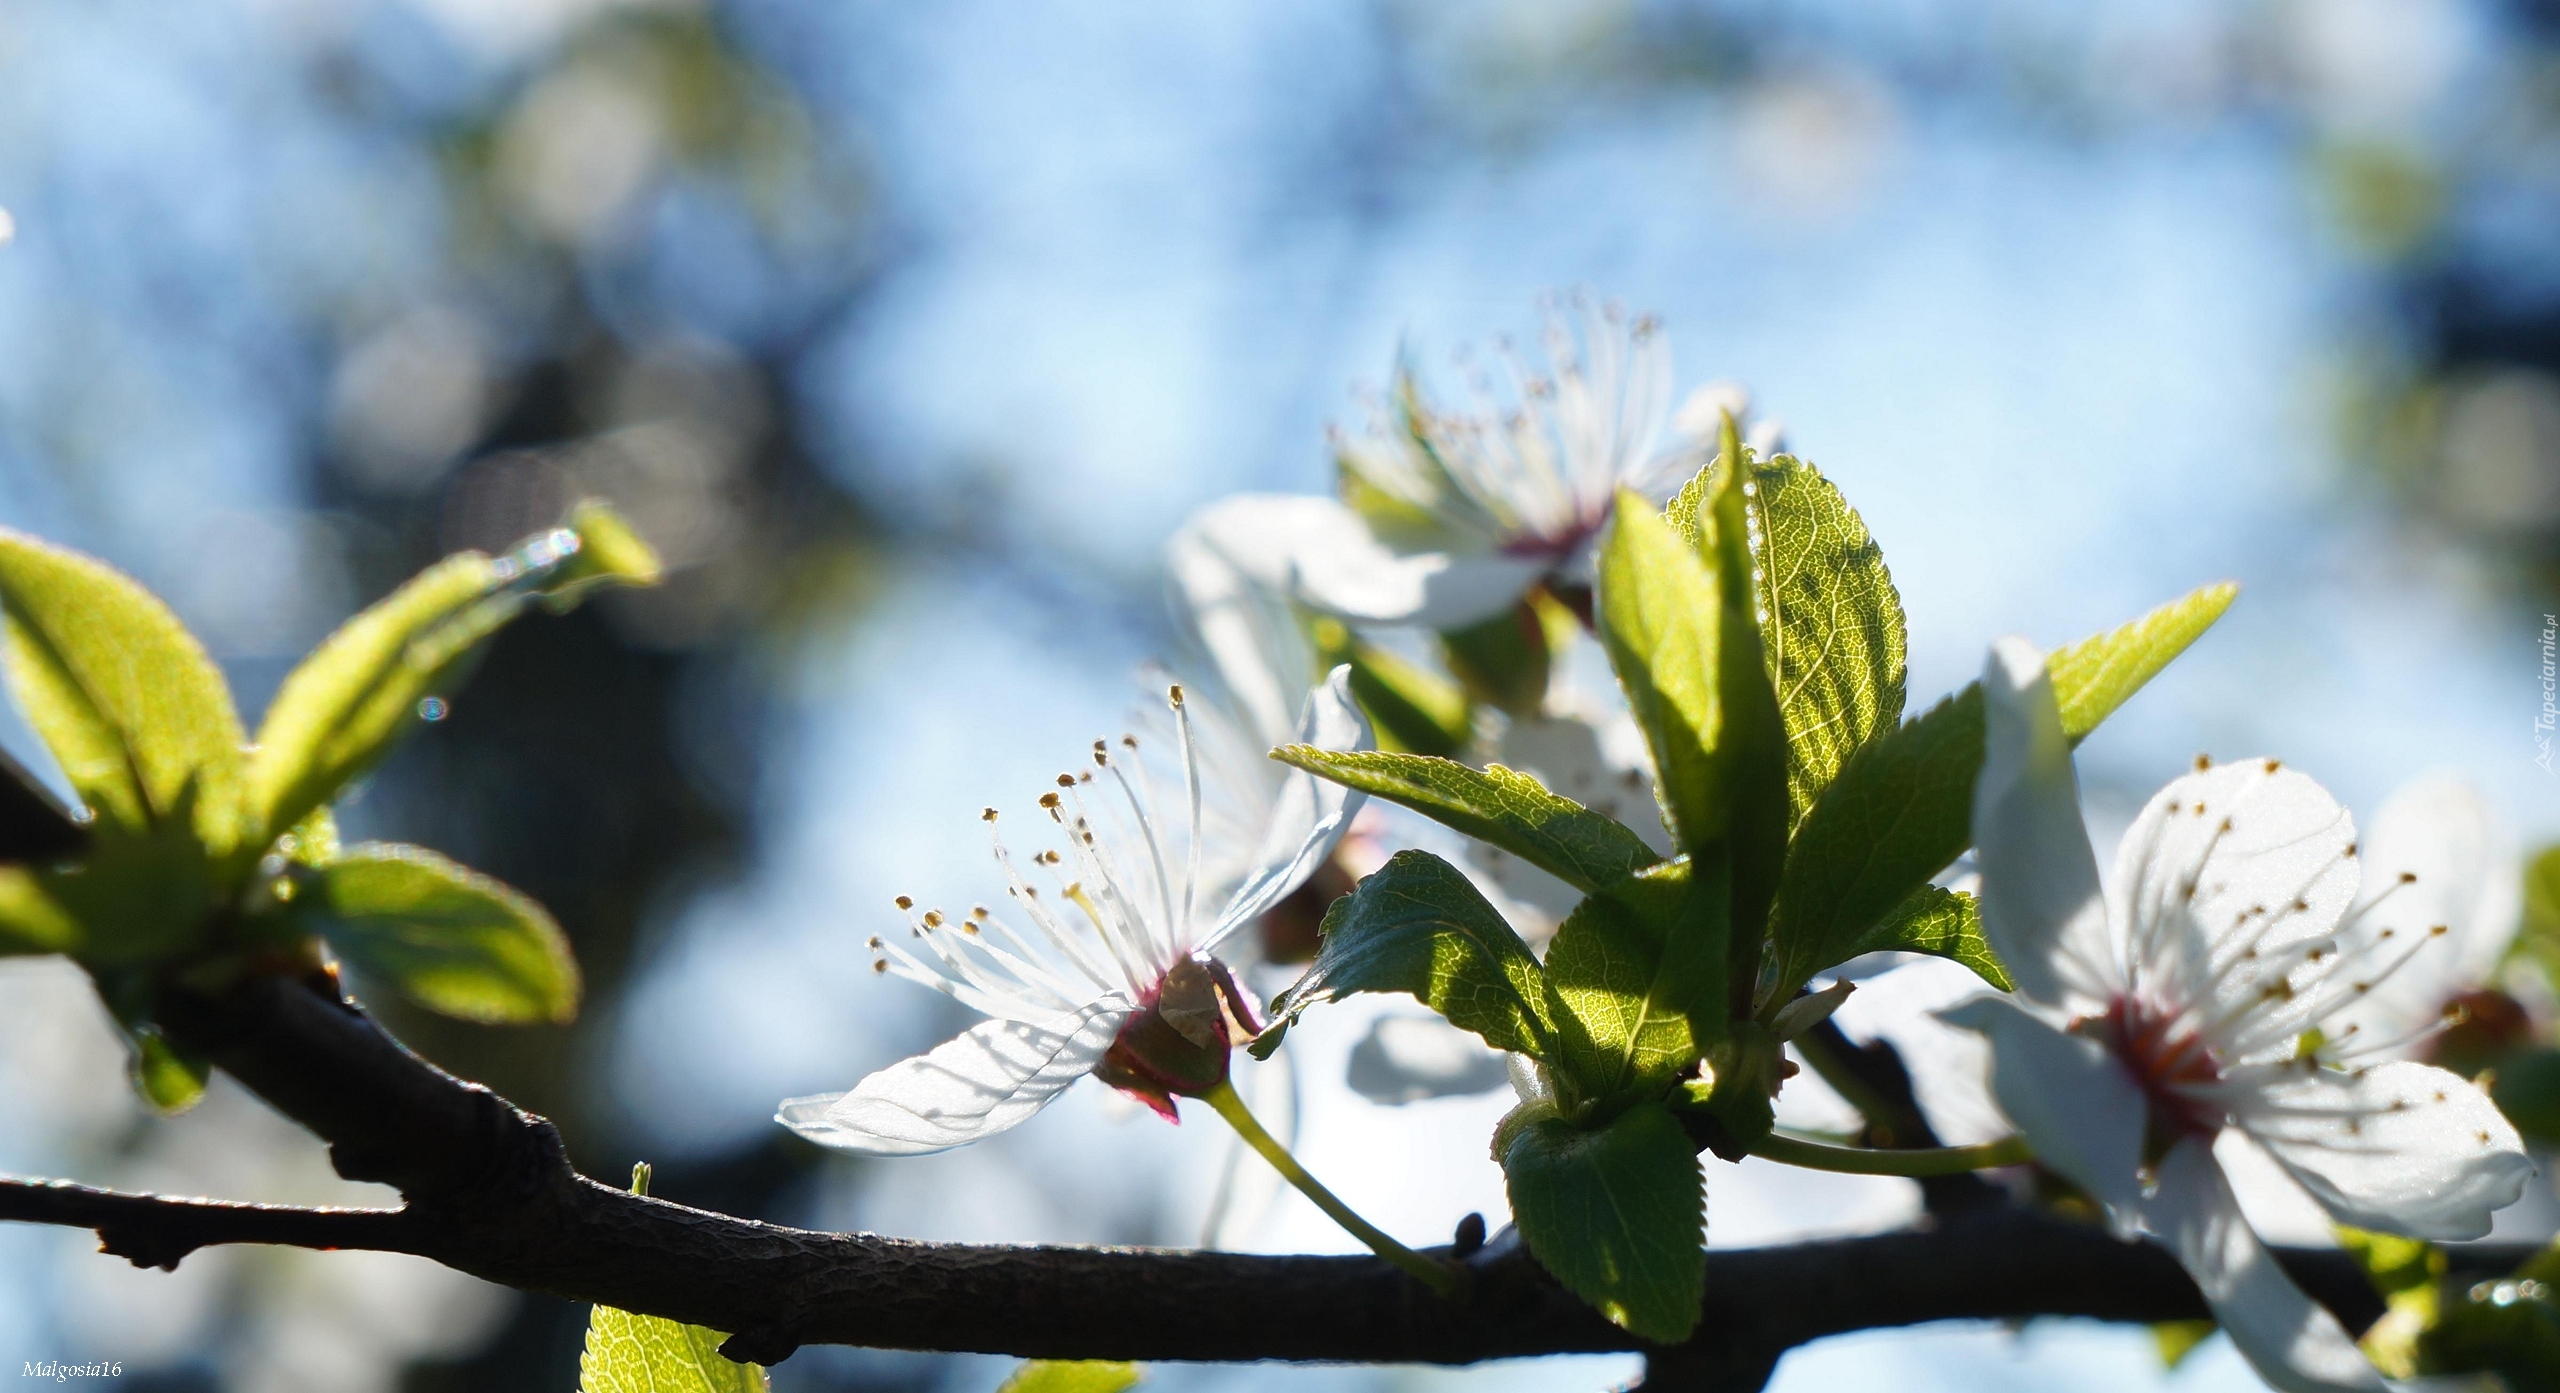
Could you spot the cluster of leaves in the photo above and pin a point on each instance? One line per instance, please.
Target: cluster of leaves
(1760, 644)
(2508, 1326)
(200, 857)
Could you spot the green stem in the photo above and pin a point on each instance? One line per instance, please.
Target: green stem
(1920, 1161)
(1436, 1276)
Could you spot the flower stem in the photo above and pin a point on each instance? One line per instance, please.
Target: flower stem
(1918, 1161)
(1436, 1276)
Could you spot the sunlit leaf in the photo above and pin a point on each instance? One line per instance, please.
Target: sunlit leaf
(138, 897)
(1940, 922)
(1676, 616)
(2177, 1339)
(340, 711)
(1641, 968)
(343, 708)
(1661, 620)
(1832, 632)
(610, 552)
(1418, 926)
(2093, 677)
(1072, 1376)
(1753, 752)
(169, 1078)
(1617, 1214)
(1497, 806)
(449, 938)
(31, 919)
(123, 695)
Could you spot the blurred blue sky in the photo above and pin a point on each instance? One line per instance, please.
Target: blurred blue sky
(2046, 288)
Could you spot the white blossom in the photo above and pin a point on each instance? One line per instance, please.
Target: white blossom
(1450, 516)
(1131, 911)
(2200, 992)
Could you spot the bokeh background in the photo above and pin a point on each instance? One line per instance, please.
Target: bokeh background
(909, 332)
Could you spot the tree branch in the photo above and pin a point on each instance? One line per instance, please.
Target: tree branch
(490, 1192)
(156, 1231)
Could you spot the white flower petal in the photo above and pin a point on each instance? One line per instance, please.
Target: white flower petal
(2405, 1148)
(2293, 1343)
(1308, 817)
(2074, 1101)
(1430, 590)
(2467, 878)
(1243, 623)
(991, 1077)
(2224, 879)
(1322, 552)
(2041, 906)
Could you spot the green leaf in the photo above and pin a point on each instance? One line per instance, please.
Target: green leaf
(2393, 1263)
(1944, 923)
(450, 939)
(1753, 751)
(2409, 1273)
(1071, 1376)
(1898, 815)
(1832, 635)
(1901, 809)
(344, 706)
(1413, 709)
(610, 552)
(341, 709)
(2093, 677)
(1504, 661)
(1498, 806)
(169, 1078)
(1618, 1215)
(125, 697)
(1417, 925)
(627, 1353)
(138, 897)
(31, 919)
(1641, 967)
(1661, 619)
(2176, 1339)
